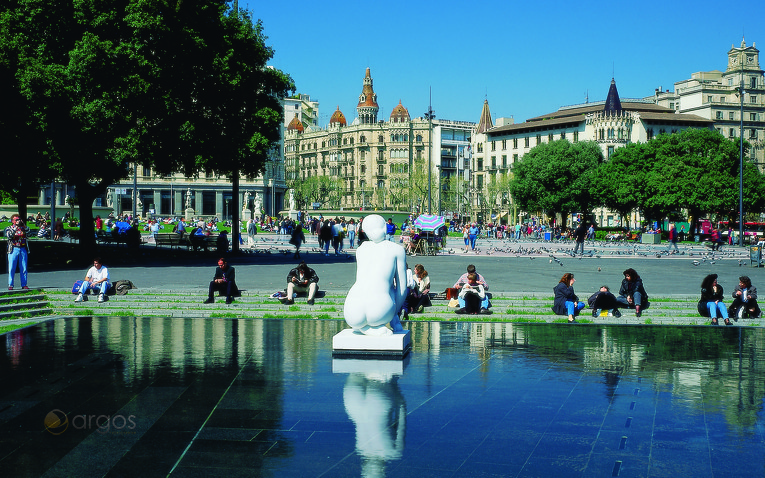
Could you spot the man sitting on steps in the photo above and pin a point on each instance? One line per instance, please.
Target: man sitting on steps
(302, 279)
(96, 278)
(223, 281)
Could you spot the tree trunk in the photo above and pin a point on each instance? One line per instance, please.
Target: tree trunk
(21, 202)
(235, 207)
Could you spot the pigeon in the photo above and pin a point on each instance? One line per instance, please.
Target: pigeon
(695, 263)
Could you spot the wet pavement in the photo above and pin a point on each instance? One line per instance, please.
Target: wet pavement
(127, 396)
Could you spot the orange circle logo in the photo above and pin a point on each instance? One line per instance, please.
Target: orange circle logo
(56, 422)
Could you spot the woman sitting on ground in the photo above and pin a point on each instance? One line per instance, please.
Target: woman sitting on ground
(632, 295)
(418, 296)
(744, 300)
(566, 301)
(711, 302)
(472, 293)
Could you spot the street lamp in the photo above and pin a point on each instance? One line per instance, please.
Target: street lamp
(430, 114)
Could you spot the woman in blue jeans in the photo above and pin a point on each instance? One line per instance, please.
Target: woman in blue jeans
(566, 301)
(711, 302)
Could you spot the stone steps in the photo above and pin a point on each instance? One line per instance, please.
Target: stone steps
(23, 304)
(676, 310)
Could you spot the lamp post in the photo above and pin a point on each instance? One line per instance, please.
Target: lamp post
(741, 159)
(430, 114)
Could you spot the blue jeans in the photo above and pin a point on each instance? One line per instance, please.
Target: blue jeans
(715, 307)
(18, 256)
(573, 308)
(472, 241)
(579, 246)
(484, 302)
(351, 238)
(102, 288)
(389, 237)
(637, 299)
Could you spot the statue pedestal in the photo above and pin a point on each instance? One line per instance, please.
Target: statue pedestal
(188, 214)
(293, 215)
(346, 342)
(246, 214)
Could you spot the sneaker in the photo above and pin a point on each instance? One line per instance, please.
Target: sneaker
(617, 313)
(573, 321)
(100, 298)
(728, 322)
(10, 288)
(638, 312)
(209, 300)
(229, 300)
(25, 288)
(595, 312)
(461, 311)
(79, 298)
(420, 309)
(310, 302)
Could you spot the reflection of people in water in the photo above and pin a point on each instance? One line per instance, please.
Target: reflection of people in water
(380, 288)
(376, 406)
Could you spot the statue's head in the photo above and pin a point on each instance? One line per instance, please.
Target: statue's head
(374, 227)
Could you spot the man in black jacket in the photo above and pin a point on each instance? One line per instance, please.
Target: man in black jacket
(579, 234)
(302, 279)
(224, 281)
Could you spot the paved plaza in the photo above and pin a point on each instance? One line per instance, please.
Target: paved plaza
(151, 396)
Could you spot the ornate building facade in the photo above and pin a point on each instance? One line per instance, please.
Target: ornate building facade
(611, 123)
(715, 95)
(372, 160)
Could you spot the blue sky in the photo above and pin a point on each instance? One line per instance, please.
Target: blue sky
(526, 58)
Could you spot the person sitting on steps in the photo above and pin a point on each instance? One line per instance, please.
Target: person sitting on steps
(223, 281)
(302, 279)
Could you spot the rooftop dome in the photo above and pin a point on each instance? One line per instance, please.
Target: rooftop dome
(295, 125)
(399, 114)
(338, 117)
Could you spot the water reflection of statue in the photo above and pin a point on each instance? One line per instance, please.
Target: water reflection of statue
(188, 198)
(377, 408)
(380, 289)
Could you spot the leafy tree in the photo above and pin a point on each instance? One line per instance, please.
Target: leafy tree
(498, 192)
(557, 177)
(696, 170)
(324, 190)
(179, 86)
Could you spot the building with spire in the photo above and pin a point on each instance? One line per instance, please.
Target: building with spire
(612, 123)
(370, 161)
(715, 95)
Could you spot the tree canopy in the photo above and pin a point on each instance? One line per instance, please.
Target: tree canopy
(696, 170)
(557, 177)
(178, 86)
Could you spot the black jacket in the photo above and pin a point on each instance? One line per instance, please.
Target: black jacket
(311, 275)
(563, 293)
(629, 288)
(708, 295)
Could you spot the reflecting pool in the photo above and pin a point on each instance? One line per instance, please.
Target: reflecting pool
(112, 396)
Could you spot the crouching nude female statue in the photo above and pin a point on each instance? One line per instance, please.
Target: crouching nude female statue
(380, 289)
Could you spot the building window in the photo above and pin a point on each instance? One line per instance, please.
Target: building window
(363, 139)
(710, 99)
(539, 139)
(753, 134)
(722, 99)
(719, 115)
(380, 139)
(479, 178)
(493, 145)
(753, 82)
(730, 115)
(527, 141)
(576, 136)
(515, 143)
(550, 138)
(480, 148)
(649, 133)
(515, 158)
(753, 98)
(363, 169)
(504, 161)
(731, 132)
(419, 138)
(479, 163)
(504, 144)
(494, 161)
(562, 135)
(671, 106)
(380, 171)
(610, 151)
(752, 116)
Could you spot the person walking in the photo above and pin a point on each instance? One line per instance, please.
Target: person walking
(672, 238)
(297, 239)
(579, 235)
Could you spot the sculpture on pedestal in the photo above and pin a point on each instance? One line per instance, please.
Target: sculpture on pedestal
(246, 200)
(257, 209)
(292, 199)
(188, 198)
(380, 289)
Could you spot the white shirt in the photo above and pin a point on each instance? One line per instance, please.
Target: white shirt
(96, 274)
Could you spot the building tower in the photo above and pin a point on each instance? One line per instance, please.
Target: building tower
(367, 107)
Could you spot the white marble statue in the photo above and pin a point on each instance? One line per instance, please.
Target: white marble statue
(188, 198)
(380, 289)
(292, 199)
(377, 408)
(110, 198)
(246, 200)
(139, 205)
(258, 205)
